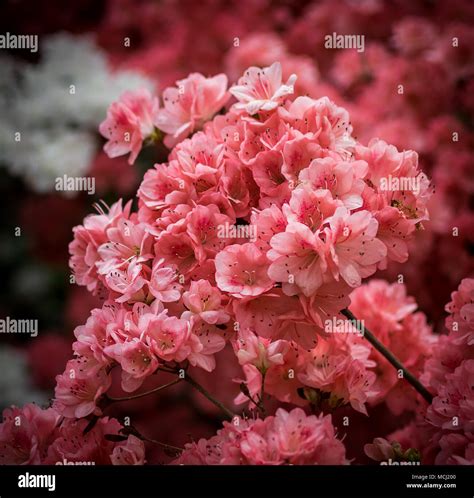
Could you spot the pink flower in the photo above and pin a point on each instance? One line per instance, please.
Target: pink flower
(73, 444)
(127, 283)
(333, 367)
(87, 239)
(274, 315)
(311, 207)
(388, 313)
(354, 248)
(204, 300)
(205, 340)
(178, 250)
(323, 121)
(286, 438)
(78, 391)
(258, 351)
(167, 337)
(460, 322)
(303, 439)
(130, 121)
(204, 224)
(343, 179)
(453, 407)
(136, 360)
(131, 452)
(163, 283)
(26, 434)
(262, 89)
(299, 259)
(189, 106)
(126, 242)
(241, 270)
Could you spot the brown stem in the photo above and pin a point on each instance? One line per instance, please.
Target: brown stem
(201, 389)
(389, 356)
(133, 430)
(140, 395)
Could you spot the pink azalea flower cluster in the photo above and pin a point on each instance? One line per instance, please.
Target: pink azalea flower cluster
(286, 438)
(256, 230)
(32, 436)
(392, 317)
(444, 431)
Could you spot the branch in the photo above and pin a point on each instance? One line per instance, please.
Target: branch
(201, 389)
(389, 356)
(140, 395)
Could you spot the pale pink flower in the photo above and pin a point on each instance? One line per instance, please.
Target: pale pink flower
(127, 283)
(303, 439)
(262, 89)
(323, 121)
(383, 306)
(136, 360)
(94, 336)
(74, 444)
(456, 449)
(179, 251)
(130, 452)
(258, 351)
(311, 207)
(268, 176)
(274, 315)
(354, 249)
(126, 241)
(299, 259)
(253, 383)
(190, 105)
(267, 223)
(130, 121)
(162, 187)
(241, 270)
(204, 300)
(205, 226)
(163, 284)
(390, 315)
(87, 239)
(205, 340)
(343, 179)
(382, 450)
(298, 154)
(332, 368)
(167, 336)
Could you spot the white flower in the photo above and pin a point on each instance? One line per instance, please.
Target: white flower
(51, 111)
(15, 386)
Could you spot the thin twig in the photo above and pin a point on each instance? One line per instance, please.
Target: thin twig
(140, 395)
(389, 356)
(201, 389)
